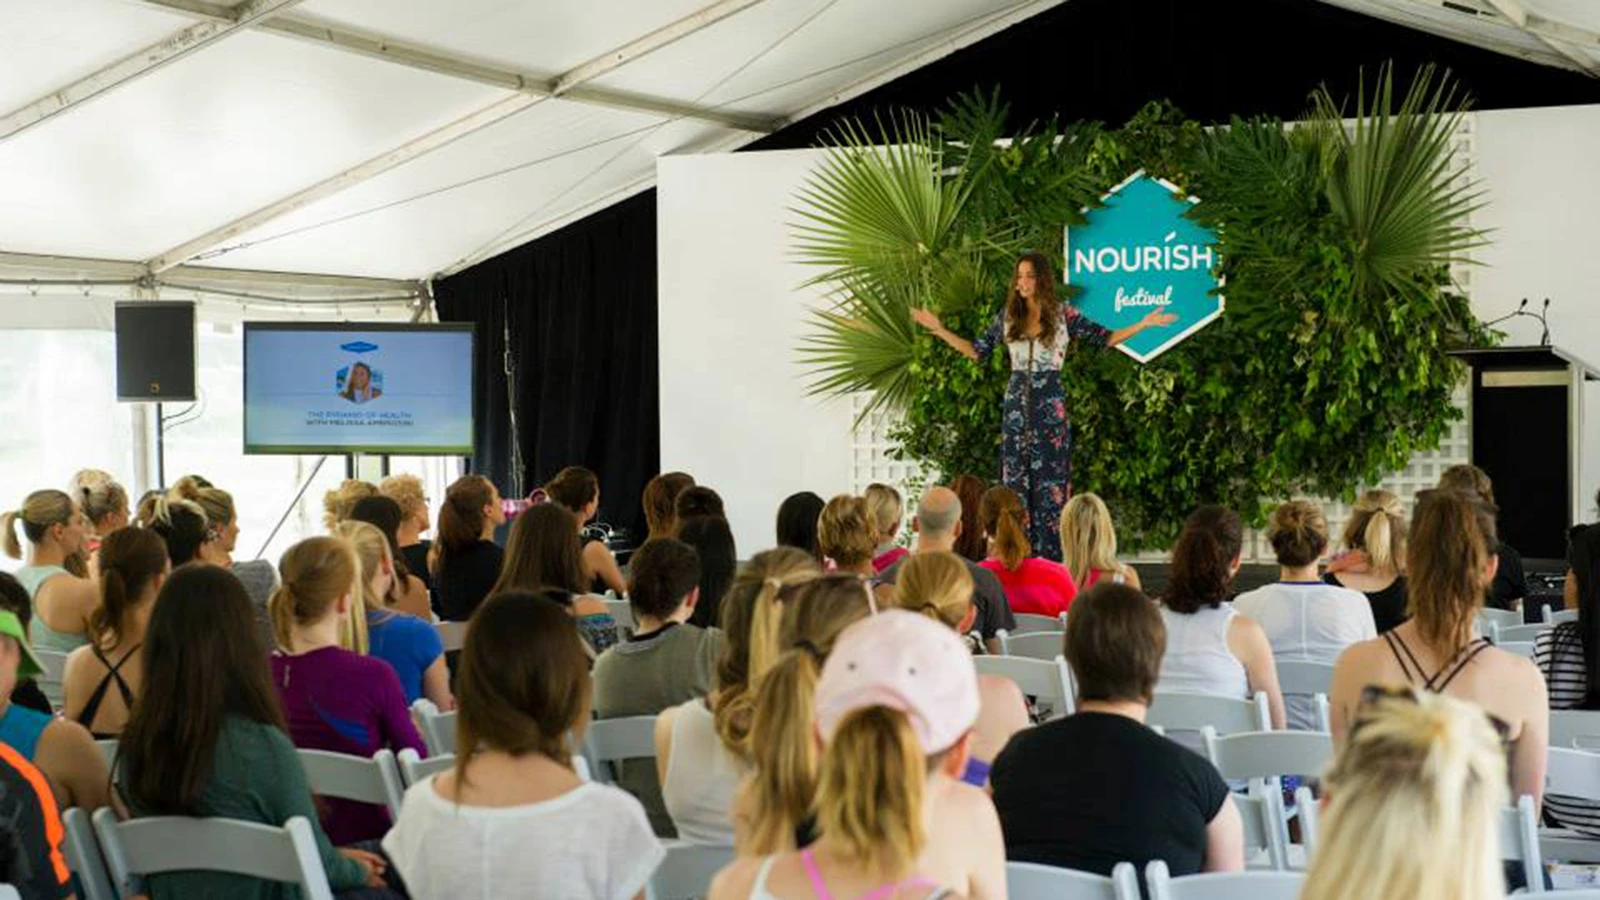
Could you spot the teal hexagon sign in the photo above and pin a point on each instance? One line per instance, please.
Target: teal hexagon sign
(1139, 253)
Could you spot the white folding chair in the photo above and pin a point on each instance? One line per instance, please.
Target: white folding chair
(1190, 711)
(1266, 841)
(1309, 810)
(1576, 774)
(1028, 623)
(108, 749)
(1552, 616)
(1489, 619)
(82, 850)
(413, 768)
(1032, 881)
(1045, 645)
(438, 728)
(452, 634)
(1520, 648)
(1519, 841)
(1255, 885)
(687, 870)
(614, 740)
(622, 611)
(1517, 634)
(1575, 728)
(55, 667)
(1301, 677)
(375, 780)
(152, 846)
(1262, 758)
(1050, 682)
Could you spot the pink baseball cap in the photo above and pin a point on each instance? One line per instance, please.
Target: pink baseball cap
(906, 662)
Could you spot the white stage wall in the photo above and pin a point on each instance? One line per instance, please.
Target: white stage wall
(733, 411)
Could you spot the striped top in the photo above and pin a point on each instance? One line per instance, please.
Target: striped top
(1558, 652)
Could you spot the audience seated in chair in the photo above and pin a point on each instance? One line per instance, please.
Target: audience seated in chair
(1375, 557)
(544, 552)
(208, 736)
(895, 706)
(407, 593)
(660, 502)
(1098, 787)
(1509, 585)
(31, 857)
(103, 679)
(1412, 804)
(61, 748)
(1568, 655)
(702, 746)
(406, 489)
(939, 586)
(712, 539)
(1033, 585)
(1089, 543)
(334, 698)
(14, 599)
(797, 523)
(56, 572)
(1305, 618)
(938, 526)
(513, 814)
(887, 512)
(258, 576)
(1211, 648)
(410, 645)
(465, 560)
(578, 491)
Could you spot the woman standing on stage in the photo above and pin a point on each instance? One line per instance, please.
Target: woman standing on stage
(1036, 439)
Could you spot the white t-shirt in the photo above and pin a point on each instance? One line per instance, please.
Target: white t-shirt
(1308, 621)
(591, 843)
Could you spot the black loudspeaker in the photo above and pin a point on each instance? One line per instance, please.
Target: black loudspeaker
(155, 351)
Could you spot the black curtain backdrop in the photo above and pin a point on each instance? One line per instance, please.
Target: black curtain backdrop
(582, 313)
(583, 299)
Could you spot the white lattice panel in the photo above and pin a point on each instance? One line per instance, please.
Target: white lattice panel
(872, 456)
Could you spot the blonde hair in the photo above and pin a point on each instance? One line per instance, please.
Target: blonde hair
(405, 489)
(1088, 537)
(936, 585)
(751, 615)
(98, 495)
(782, 751)
(845, 533)
(885, 509)
(315, 573)
(1413, 803)
(1298, 533)
(1005, 523)
(39, 512)
(372, 552)
(216, 503)
(870, 791)
(1378, 526)
(337, 503)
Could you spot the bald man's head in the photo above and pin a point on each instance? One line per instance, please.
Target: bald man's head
(939, 513)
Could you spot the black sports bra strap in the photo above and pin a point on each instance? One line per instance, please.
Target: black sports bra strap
(1463, 656)
(1396, 646)
(91, 709)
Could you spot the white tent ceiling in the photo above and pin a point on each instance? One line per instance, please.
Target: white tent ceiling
(393, 140)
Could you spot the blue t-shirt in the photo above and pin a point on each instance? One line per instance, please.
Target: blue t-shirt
(406, 643)
(21, 728)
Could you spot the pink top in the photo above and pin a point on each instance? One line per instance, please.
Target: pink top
(1038, 586)
(1096, 574)
(879, 563)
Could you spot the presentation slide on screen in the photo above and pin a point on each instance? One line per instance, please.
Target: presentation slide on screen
(337, 391)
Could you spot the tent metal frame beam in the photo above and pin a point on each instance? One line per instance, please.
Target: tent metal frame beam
(81, 269)
(399, 52)
(1558, 36)
(138, 64)
(442, 136)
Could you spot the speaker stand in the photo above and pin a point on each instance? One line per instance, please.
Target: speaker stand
(161, 448)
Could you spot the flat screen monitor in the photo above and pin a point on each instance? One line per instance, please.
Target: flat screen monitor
(352, 387)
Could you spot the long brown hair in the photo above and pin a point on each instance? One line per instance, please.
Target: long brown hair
(753, 596)
(660, 502)
(523, 680)
(543, 552)
(970, 542)
(131, 559)
(461, 518)
(573, 487)
(1452, 541)
(1005, 522)
(1044, 291)
(203, 664)
(1202, 560)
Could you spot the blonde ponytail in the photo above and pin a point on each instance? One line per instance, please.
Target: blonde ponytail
(1003, 519)
(1088, 537)
(1377, 526)
(13, 545)
(315, 574)
(755, 593)
(936, 585)
(783, 751)
(870, 791)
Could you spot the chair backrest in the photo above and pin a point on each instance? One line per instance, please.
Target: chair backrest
(1518, 633)
(1520, 648)
(1045, 645)
(1571, 728)
(1265, 830)
(1189, 711)
(686, 871)
(175, 843)
(82, 850)
(1028, 623)
(614, 740)
(1050, 682)
(1519, 838)
(1297, 677)
(414, 768)
(1307, 806)
(1255, 885)
(1268, 754)
(1032, 881)
(55, 667)
(1552, 616)
(108, 749)
(1503, 618)
(452, 634)
(622, 611)
(375, 780)
(1572, 773)
(438, 728)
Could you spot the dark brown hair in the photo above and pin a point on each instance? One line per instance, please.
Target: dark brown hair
(1005, 523)
(385, 514)
(660, 502)
(797, 522)
(1468, 479)
(131, 559)
(1202, 560)
(699, 501)
(543, 552)
(970, 542)
(1115, 639)
(573, 487)
(522, 684)
(1044, 292)
(1298, 533)
(660, 575)
(1452, 541)
(203, 664)
(712, 540)
(461, 518)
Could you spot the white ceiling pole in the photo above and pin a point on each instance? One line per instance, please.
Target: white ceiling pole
(382, 47)
(637, 49)
(19, 268)
(1552, 34)
(138, 64)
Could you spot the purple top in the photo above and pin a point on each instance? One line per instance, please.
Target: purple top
(346, 703)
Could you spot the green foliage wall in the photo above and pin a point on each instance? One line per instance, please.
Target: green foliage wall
(1327, 370)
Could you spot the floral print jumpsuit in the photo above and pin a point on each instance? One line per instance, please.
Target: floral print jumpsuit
(1035, 434)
